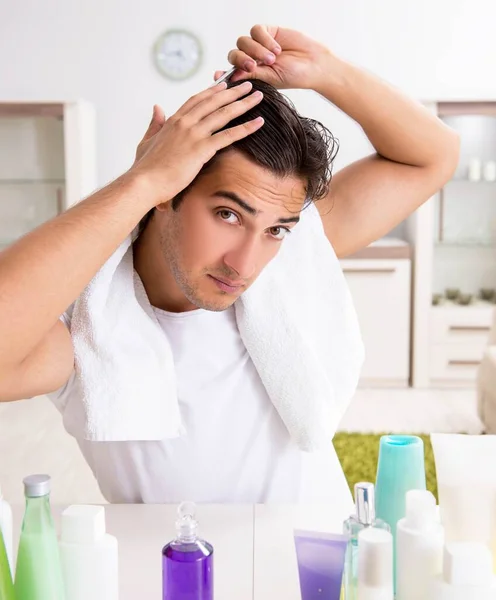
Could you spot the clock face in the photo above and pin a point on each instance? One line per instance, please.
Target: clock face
(178, 54)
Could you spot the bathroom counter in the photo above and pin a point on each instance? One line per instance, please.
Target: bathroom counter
(254, 548)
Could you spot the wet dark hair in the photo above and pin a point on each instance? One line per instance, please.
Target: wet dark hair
(287, 144)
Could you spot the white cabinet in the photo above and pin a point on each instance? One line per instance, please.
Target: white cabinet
(457, 343)
(47, 162)
(455, 256)
(381, 292)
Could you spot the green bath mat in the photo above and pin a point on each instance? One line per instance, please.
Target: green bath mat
(358, 453)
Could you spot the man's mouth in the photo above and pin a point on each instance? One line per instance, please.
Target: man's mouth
(227, 285)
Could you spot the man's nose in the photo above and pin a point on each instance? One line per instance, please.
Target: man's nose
(243, 259)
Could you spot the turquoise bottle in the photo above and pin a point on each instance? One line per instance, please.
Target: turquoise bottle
(38, 572)
(6, 584)
(401, 468)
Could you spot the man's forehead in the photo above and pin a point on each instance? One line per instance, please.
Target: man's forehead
(239, 174)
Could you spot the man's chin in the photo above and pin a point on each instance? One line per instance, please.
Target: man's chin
(218, 304)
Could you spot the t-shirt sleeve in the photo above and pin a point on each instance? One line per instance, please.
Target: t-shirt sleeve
(60, 397)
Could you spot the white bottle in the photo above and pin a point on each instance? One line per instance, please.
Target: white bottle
(375, 564)
(6, 527)
(467, 573)
(89, 556)
(489, 170)
(419, 546)
(474, 169)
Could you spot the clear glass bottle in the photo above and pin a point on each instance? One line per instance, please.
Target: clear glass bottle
(38, 571)
(363, 518)
(187, 561)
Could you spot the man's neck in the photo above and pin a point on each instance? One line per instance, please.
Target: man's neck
(159, 282)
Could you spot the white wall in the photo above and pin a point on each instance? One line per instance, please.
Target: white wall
(100, 51)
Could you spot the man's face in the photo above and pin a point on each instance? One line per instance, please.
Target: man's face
(227, 228)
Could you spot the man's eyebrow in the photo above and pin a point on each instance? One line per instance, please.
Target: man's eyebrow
(250, 209)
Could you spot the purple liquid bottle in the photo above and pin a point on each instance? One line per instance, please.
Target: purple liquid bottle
(187, 561)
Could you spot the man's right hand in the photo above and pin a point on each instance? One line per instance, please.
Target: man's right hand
(174, 150)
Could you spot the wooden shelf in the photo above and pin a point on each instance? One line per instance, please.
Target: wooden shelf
(32, 181)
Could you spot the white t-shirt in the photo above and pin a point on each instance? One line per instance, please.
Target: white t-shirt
(236, 447)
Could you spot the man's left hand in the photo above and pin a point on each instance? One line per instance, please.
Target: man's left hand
(282, 57)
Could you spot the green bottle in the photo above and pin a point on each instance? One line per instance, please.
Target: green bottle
(6, 584)
(38, 571)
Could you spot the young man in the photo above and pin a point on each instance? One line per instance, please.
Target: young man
(207, 233)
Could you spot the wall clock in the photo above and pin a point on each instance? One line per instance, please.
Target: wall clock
(178, 54)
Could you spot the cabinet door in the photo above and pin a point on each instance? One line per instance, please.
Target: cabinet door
(381, 292)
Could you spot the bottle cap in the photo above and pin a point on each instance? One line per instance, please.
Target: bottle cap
(468, 564)
(421, 509)
(36, 486)
(82, 524)
(375, 559)
(365, 502)
(186, 524)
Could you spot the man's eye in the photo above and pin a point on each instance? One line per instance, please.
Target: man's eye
(279, 232)
(227, 215)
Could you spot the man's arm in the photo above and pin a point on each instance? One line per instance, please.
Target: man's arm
(45, 271)
(416, 155)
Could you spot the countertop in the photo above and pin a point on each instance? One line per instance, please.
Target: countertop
(254, 548)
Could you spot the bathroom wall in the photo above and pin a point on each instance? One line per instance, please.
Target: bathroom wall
(100, 51)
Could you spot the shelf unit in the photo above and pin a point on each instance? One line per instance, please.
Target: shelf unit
(454, 236)
(47, 162)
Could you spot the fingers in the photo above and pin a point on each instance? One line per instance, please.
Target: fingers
(254, 50)
(214, 102)
(199, 98)
(242, 61)
(156, 124)
(221, 117)
(229, 136)
(266, 37)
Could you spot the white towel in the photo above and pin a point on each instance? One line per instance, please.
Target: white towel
(297, 322)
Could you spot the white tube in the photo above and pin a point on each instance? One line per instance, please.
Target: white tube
(466, 475)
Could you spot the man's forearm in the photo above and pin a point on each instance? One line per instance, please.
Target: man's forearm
(398, 127)
(46, 270)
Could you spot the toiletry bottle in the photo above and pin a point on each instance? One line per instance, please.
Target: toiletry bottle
(38, 571)
(467, 573)
(419, 546)
(474, 169)
(363, 518)
(7, 591)
(401, 467)
(320, 559)
(375, 565)
(187, 561)
(489, 170)
(88, 554)
(6, 527)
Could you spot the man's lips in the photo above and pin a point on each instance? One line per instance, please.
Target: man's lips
(227, 285)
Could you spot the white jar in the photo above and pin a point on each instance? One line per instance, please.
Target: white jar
(467, 573)
(489, 170)
(474, 169)
(6, 527)
(89, 556)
